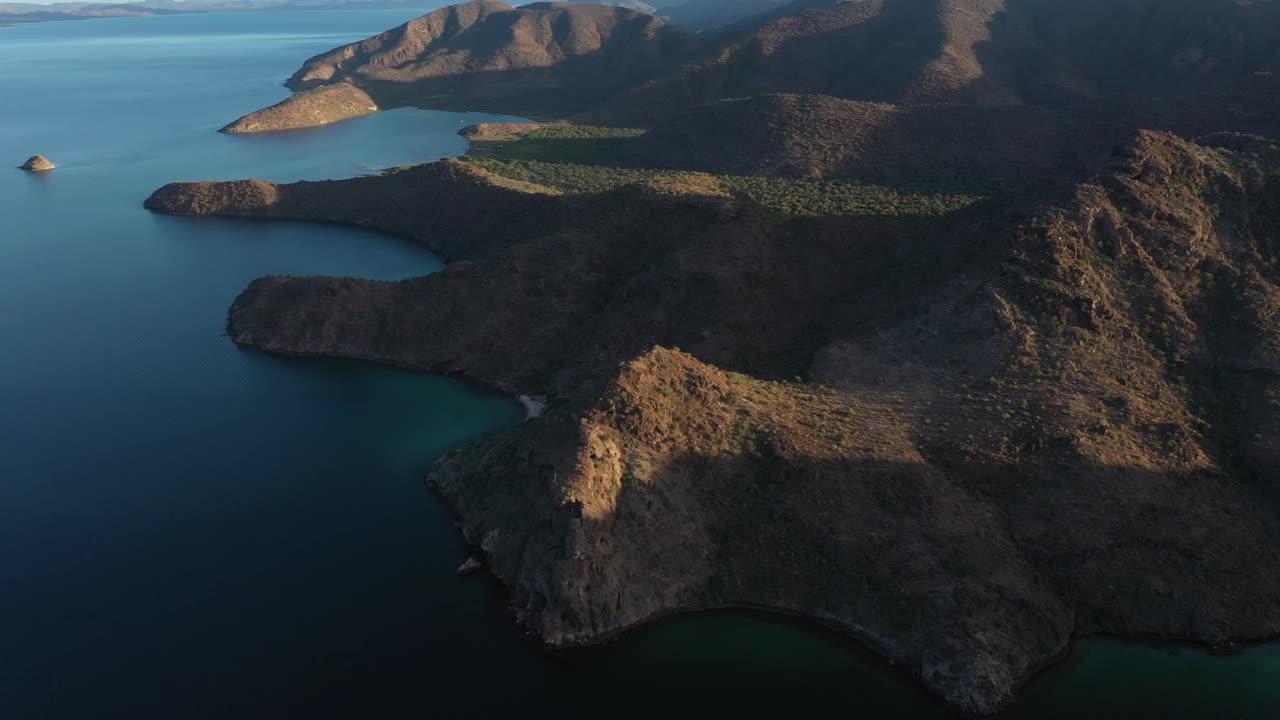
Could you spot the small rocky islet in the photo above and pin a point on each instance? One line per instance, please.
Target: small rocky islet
(964, 437)
(37, 163)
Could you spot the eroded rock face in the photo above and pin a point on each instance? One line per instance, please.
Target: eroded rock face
(962, 440)
(38, 163)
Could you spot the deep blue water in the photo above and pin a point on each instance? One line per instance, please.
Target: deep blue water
(190, 531)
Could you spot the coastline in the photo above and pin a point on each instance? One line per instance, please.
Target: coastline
(1052, 669)
(832, 629)
(570, 639)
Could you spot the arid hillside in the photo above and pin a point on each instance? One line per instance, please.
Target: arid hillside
(975, 144)
(616, 66)
(989, 52)
(822, 136)
(962, 438)
(542, 59)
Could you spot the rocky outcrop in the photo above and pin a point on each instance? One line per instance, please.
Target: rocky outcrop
(963, 440)
(313, 108)
(38, 163)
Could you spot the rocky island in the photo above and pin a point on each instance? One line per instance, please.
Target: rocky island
(37, 163)
(799, 369)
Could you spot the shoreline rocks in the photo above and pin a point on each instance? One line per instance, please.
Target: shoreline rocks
(37, 163)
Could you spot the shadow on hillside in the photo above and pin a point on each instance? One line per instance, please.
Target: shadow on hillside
(623, 152)
(844, 51)
(937, 556)
(989, 568)
(1105, 97)
(537, 93)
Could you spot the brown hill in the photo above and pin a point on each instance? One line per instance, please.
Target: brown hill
(1099, 60)
(1017, 424)
(976, 51)
(1014, 147)
(543, 59)
(822, 136)
(879, 50)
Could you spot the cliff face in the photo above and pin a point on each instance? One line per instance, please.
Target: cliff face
(1015, 424)
(542, 59)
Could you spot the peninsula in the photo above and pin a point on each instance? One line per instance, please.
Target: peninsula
(959, 360)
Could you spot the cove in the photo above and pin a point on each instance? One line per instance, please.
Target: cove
(187, 530)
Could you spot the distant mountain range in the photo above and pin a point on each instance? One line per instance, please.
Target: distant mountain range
(696, 15)
(693, 14)
(18, 13)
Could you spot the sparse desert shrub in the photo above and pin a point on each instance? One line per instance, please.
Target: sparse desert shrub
(786, 195)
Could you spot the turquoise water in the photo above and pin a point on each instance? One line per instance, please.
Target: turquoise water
(190, 531)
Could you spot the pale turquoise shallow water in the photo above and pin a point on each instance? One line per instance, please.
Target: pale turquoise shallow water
(191, 531)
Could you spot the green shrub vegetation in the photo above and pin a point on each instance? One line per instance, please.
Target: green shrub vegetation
(587, 144)
(580, 132)
(794, 196)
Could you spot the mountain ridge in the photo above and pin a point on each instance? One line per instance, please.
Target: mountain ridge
(538, 59)
(608, 65)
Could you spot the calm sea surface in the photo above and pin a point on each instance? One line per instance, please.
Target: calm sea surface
(190, 531)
